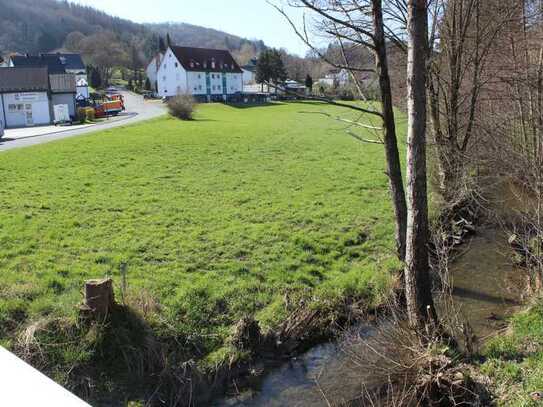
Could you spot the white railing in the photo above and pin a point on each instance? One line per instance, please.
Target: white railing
(23, 386)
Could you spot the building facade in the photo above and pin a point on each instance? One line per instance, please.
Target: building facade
(207, 74)
(28, 96)
(24, 97)
(152, 70)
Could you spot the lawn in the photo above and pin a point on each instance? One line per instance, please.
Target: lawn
(216, 218)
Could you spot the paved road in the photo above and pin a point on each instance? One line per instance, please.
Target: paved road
(137, 110)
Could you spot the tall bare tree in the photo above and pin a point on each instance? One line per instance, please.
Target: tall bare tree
(459, 76)
(420, 305)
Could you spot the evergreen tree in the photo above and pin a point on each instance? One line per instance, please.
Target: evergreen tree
(309, 83)
(270, 68)
(263, 68)
(161, 45)
(147, 84)
(94, 77)
(46, 42)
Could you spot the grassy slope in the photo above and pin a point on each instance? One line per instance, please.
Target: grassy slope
(215, 218)
(515, 360)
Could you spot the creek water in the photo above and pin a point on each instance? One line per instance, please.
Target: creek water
(486, 291)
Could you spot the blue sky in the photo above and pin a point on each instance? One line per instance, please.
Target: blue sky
(246, 18)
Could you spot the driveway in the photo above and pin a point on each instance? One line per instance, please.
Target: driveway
(137, 110)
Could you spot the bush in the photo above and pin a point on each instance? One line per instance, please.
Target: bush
(85, 114)
(182, 107)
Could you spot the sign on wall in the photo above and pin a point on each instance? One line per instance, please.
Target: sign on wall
(28, 97)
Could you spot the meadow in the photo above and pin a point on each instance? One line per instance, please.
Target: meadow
(217, 218)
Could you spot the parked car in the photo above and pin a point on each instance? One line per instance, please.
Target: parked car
(112, 89)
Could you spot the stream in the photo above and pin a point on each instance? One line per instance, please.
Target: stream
(487, 288)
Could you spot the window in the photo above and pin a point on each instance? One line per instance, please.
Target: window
(165, 66)
(212, 76)
(199, 76)
(163, 78)
(165, 91)
(199, 87)
(195, 88)
(176, 64)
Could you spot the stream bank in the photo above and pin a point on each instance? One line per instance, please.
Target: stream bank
(487, 289)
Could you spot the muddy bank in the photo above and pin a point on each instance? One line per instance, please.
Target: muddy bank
(487, 289)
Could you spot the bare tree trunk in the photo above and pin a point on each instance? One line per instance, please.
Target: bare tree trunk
(418, 286)
(394, 169)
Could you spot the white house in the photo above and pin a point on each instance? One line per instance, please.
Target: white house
(28, 95)
(335, 78)
(152, 70)
(207, 74)
(24, 96)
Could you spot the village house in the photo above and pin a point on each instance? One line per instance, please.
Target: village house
(30, 96)
(24, 97)
(57, 64)
(152, 71)
(335, 78)
(206, 74)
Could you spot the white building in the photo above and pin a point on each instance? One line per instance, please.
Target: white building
(335, 78)
(24, 97)
(28, 96)
(152, 70)
(207, 74)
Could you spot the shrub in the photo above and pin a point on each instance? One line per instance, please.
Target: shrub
(85, 114)
(182, 107)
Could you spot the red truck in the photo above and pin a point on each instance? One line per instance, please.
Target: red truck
(111, 107)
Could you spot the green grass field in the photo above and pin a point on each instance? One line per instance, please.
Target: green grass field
(216, 218)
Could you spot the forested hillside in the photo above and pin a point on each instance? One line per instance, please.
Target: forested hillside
(31, 26)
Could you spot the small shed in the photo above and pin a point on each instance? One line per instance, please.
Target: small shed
(63, 92)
